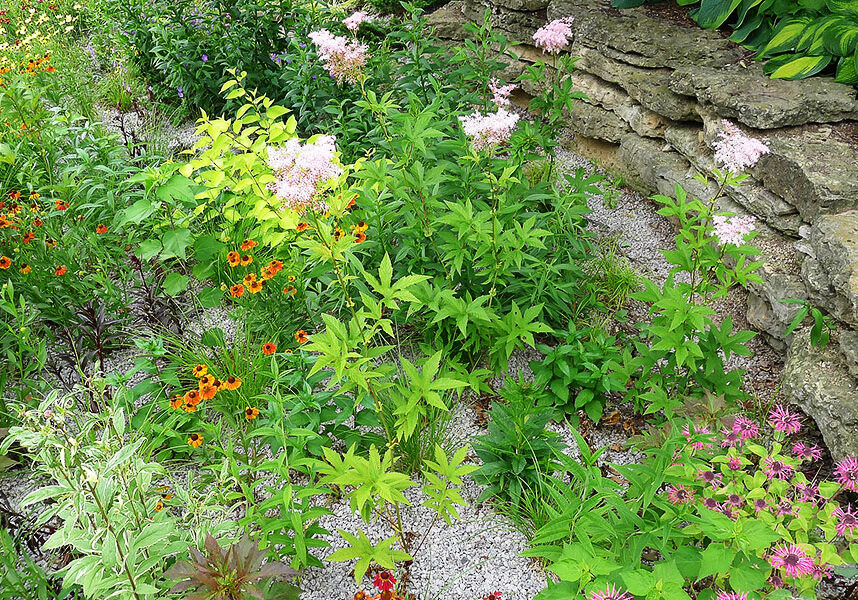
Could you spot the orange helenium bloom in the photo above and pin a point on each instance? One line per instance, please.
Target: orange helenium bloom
(246, 259)
(233, 258)
(25, 268)
(62, 205)
(200, 370)
(302, 227)
(249, 278)
(232, 383)
(60, 270)
(360, 236)
(251, 413)
(5, 262)
(207, 392)
(101, 228)
(195, 440)
(28, 237)
(269, 348)
(290, 290)
(254, 287)
(301, 336)
(236, 291)
(248, 245)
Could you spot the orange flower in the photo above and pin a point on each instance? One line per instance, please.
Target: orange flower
(288, 351)
(50, 243)
(236, 291)
(269, 348)
(28, 237)
(361, 226)
(232, 383)
(251, 413)
(338, 233)
(5, 262)
(246, 259)
(291, 278)
(205, 380)
(38, 222)
(195, 440)
(159, 506)
(301, 336)
(101, 228)
(233, 258)
(276, 266)
(207, 392)
(60, 270)
(25, 268)
(62, 205)
(14, 195)
(248, 245)
(176, 401)
(351, 202)
(302, 227)
(249, 278)
(35, 195)
(360, 236)
(192, 397)
(254, 287)
(200, 370)
(290, 290)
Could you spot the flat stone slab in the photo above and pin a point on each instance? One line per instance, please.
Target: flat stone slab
(832, 270)
(748, 95)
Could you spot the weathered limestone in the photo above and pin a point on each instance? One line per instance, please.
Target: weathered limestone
(656, 94)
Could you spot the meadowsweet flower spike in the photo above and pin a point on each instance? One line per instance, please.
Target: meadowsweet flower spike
(554, 36)
(301, 169)
(490, 129)
(353, 21)
(344, 58)
(500, 93)
(736, 151)
(732, 230)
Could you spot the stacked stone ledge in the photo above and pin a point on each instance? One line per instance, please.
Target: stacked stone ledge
(656, 92)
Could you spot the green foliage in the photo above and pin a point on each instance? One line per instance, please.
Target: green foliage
(823, 325)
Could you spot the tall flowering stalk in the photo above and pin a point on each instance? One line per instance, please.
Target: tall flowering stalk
(344, 58)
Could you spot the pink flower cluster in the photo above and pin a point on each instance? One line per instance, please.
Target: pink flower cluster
(725, 595)
(847, 473)
(611, 592)
(490, 129)
(554, 36)
(732, 230)
(344, 58)
(300, 169)
(500, 93)
(735, 150)
(792, 560)
(353, 21)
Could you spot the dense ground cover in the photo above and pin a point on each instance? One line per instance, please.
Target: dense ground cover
(210, 353)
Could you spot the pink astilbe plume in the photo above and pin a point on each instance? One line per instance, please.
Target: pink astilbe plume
(344, 58)
(500, 93)
(732, 230)
(300, 169)
(610, 593)
(554, 36)
(792, 560)
(846, 473)
(735, 150)
(490, 129)
(847, 521)
(353, 21)
(781, 419)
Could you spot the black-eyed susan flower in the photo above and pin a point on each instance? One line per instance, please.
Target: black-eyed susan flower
(246, 259)
(199, 371)
(233, 258)
(254, 287)
(60, 270)
(290, 290)
(232, 383)
(269, 348)
(251, 413)
(302, 227)
(101, 228)
(25, 269)
(159, 506)
(248, 245)
(195, 440)
(5, 262)
(360, 226)
(236, 290)
(301, 336)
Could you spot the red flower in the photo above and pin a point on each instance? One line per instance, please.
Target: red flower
(28, 237)
(102, 228)
(60, 270)
(301, 336)
(248, 245)
(269, 348)
(384, 581)
(61, 205)
(236, 291)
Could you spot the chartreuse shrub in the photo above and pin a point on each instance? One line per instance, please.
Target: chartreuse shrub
(796, 39)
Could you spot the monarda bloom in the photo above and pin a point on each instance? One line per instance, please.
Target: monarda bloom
(344, 58)
(725, 595)
(300, 170)
(792, 560)
(610, 593)
(776, 469)
(781, 419)
(746, 428)
(846, 473)
(490, 129)
(847, 521)
(679, 494)
(736, 151)
(554, 36)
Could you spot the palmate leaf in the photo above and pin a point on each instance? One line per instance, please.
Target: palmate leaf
(361, 548)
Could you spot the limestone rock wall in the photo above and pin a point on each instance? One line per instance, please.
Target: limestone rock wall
(656, 92)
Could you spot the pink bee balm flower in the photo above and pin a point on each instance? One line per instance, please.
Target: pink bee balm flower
(776, 469)
(806, 493)
(300, 169)
(679, 494)
(490, 129)
(354, 21)
(846, 473)
(732, 230)
(821, 571)
(554, 36)
(735, 150)
(760, 504)
(344, 58)
(781, 419)
(731, 439)
(792, 560)
(810, 452)
(500, 93)
(847, 521)
(710, 477)
(610, 593)
(735, 463)
(746, 428)
(689, 431)
(725, 595)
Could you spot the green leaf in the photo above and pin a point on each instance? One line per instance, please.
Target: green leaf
(213, 338)
(175, 284)
(713, 13)
(175, 243)
(801, 67)
(716, 560)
